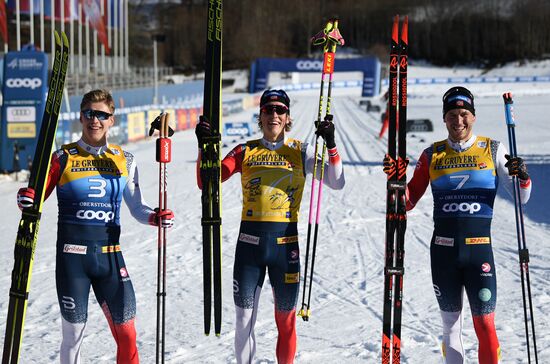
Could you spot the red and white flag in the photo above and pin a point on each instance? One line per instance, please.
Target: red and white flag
(3, 21)
(92, 12)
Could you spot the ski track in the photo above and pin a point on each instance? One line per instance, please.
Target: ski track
(345, 323)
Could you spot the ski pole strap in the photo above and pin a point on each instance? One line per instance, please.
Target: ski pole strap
(509, 109)
(156, 125)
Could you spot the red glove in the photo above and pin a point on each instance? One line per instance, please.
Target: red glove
(166, 218)
(25, 197)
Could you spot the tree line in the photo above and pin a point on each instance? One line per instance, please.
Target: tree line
(485, 32)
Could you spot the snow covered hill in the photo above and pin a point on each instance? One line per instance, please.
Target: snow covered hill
(345, 324)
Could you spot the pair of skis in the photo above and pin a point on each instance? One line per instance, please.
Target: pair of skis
(396, 213)
(210, 169)
(329, 38)
(520, 231)
(27, 233)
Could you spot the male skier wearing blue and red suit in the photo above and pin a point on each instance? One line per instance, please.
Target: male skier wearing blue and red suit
(464, 172)
(92, 177)
(273, 171)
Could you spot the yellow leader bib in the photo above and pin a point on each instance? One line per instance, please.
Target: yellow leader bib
(464, 183)
(272, 182)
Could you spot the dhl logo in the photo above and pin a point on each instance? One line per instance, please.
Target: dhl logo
(477, 241)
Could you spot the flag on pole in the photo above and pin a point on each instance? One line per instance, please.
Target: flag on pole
(92, 12)
(3, 21)
(69, 11)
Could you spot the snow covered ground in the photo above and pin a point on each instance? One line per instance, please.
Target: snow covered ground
(345, 324)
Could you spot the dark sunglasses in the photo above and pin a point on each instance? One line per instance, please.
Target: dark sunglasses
(279, 109)
(100, 115)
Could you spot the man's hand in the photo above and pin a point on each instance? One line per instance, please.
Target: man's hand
(516, 167)
(203, 129)
(164, 217)
(325, 129)
(25, 198)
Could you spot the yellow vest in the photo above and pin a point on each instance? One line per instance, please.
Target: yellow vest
(272, 182)
(463, 183)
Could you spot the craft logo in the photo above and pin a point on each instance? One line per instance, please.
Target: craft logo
(75, 249)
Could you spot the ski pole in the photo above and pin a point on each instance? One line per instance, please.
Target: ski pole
(520, 232)
(330, 37)
(163, 156)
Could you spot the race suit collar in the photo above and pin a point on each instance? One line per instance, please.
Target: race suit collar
(273, 145)
(92, 150)
(462, 146)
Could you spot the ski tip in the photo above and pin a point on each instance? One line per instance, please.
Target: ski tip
(218, 334)
(395, 29)
(57, 38)
(507, 96)
(405, 30)
(65, 40)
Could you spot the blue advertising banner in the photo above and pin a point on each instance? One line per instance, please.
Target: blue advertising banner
(237, 129)
(24, 90)
(370, 66)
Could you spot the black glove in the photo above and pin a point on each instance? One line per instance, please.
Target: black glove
(325, 129)
(390, 166)
(516, 167)
(202, 129)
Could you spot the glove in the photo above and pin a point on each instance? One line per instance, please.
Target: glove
(203, 129)
(325, 129)
(25, 197)
(166, 218)
(516, 167)
(390, 166)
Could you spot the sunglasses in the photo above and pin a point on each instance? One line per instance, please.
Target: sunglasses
(100, 115)
(279, 109)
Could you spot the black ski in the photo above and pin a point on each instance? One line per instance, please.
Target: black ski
(27, 233)
(210, 169)
(396, 214)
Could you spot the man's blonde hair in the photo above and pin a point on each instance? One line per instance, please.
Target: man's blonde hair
(100, 95)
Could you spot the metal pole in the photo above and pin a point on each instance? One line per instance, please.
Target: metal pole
(42, 24)
(18, 24)
(62, 14)
(115, 36)
(79, 37)
(31, 19)
(155, 96)
(109, 40)
(52, 27)
(87, 35)
(102, 3)
(121, 35)
(71, 29)
(127, 42)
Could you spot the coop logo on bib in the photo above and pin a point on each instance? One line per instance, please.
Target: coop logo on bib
(470, 208)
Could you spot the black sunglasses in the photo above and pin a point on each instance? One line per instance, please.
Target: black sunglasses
(279, 109)
(100, 115)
